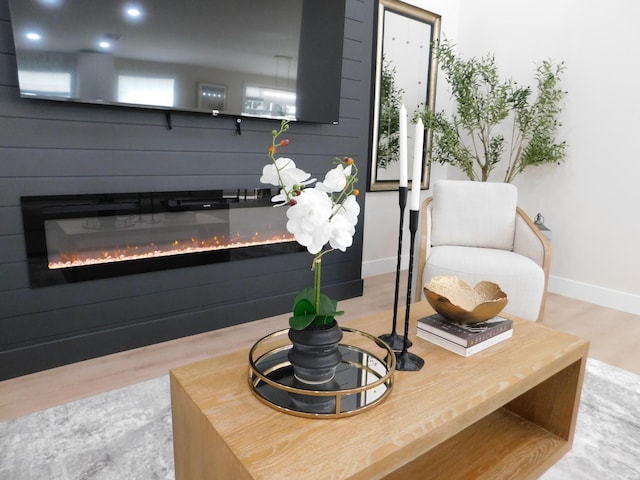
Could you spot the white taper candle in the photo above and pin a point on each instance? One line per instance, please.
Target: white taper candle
(403, 146)
(416, 180)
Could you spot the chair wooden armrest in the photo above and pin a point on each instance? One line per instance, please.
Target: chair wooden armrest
(425, 244)
(531, 242)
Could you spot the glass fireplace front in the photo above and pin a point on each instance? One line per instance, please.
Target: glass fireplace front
(72, 238)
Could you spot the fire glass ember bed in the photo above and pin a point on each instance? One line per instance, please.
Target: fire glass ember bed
(73, 238)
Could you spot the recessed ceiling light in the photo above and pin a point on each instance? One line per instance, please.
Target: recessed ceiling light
(33, 36)
(104, 44)
(133, 12)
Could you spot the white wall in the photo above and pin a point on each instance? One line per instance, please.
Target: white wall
(590, 201)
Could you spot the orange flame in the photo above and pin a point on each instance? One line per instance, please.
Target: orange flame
(177, 247)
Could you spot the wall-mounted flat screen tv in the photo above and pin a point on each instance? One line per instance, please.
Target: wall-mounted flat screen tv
(257, 58)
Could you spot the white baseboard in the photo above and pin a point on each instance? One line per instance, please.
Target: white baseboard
(383, 265)
(605, 297)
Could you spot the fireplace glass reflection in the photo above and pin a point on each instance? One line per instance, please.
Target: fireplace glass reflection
(82, 237)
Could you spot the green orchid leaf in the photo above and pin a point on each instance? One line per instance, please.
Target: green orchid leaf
(306, 294)
(324, 319)
(304, 313)
(301, 322)
(328, 306)
(303, 307)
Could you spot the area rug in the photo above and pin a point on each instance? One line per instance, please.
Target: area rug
(126, 434)
(607, 438)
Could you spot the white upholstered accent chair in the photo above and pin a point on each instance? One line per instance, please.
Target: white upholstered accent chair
(476, 231)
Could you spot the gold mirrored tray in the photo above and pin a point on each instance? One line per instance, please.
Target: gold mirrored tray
(363, 379)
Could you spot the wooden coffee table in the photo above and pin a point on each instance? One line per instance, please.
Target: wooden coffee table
(506, 412)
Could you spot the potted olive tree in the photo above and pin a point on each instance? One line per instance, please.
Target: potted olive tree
(495, 120)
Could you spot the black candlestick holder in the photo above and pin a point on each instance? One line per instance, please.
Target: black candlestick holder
(405, 360)
(395, 341)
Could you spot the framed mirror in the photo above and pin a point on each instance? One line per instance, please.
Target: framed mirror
(406, 74)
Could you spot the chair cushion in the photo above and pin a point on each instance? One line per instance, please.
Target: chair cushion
(518, 276)
(474, 214)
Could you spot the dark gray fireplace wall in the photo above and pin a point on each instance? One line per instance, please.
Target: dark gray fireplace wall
(55, 148)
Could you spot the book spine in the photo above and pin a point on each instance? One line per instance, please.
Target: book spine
(488, 343)
(460, 336)
(460, 350)
(442, 333)
(484, 336)
(442, 342)
(464, 342)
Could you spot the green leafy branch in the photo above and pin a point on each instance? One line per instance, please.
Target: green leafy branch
(472, 138)
(389, 121)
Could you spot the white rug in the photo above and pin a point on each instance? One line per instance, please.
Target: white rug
(607, 440)
(126, 435)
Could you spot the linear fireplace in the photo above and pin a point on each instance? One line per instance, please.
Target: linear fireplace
(73, 238)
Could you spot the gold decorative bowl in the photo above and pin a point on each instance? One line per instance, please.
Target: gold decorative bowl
(458, 302)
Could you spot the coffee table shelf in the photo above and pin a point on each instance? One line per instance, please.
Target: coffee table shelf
(514, 448)
(501, 445)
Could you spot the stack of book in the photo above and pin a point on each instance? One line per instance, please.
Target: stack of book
(464, 340)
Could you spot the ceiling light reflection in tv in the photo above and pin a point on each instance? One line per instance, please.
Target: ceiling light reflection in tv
(267, 58)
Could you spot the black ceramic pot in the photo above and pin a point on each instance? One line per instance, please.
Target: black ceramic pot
(315, 354)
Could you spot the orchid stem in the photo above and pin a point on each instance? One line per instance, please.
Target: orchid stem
(317, 267)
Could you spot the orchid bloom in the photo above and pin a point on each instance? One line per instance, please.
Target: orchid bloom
(343, 223)
(350, 209)
(341, 233)
(281, 198)
(284, 173)
(309, 219)
(335, 180)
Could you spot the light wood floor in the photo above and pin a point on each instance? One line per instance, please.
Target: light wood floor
(614, 336)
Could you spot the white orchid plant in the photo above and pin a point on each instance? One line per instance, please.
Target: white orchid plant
(322, 218)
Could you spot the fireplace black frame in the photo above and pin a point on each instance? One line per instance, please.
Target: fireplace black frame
(36, 210)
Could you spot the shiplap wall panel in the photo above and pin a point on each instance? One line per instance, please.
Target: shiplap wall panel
(63, 320)
(13, 276)
(11, 248)
(6, 41)
(12, 220)
(53, 148)
(217, 278)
